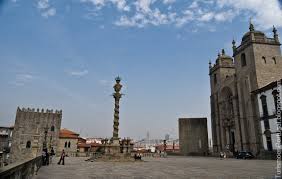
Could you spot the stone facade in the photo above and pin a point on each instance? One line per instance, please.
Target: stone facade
(5, 144)
(68, 141)
(193, 136)
(34, 129)
(235, 116)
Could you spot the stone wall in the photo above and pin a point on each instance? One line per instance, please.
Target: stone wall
(193, 136)
(68, 150)
(23, 169)
(33, 128)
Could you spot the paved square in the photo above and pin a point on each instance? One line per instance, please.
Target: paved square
(171, 167)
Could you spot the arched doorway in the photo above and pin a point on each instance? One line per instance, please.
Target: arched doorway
(228, 121)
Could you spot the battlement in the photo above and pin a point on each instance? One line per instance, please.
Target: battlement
(49, 111)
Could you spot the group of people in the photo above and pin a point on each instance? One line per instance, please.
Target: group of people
(47, 157)
(222, 155)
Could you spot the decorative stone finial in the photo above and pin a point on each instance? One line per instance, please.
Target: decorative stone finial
(223, 51)
(233, 45)
(118, 79)
(275, 35)
(274, 30)
(251, 27)
(218, 55)
(210, 64)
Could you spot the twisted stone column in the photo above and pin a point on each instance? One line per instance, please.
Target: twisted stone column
(117, 95)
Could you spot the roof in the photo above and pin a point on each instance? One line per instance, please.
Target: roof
(266, 87)
(65, 133)
(84, 145)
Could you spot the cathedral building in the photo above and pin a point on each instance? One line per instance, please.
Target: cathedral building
(235, 114)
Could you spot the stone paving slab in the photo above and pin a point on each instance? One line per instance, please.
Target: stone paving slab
(160, 168)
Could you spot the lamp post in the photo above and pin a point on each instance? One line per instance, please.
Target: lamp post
(45, 137)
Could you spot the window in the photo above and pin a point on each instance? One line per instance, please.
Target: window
(69, 144)
(275, 97)
(264, 105)
(66, 144)
(243, 60)
(28, 144)
(269, 144)
(52, 128)
(274, 60)
(214, 78)
(264, 60)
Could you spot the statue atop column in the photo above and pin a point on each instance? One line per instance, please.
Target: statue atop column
(117, 95)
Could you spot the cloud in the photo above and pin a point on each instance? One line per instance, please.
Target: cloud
(142, 13)
(99, 4)
(265, 13)
(22, 79)
(78, 73)
(168, 1)
(45, 8)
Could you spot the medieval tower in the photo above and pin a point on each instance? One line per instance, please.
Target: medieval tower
(33, 131)
(235, 115)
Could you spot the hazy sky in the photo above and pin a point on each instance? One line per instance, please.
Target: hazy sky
(65, 55)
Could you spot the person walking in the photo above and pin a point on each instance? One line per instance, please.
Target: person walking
(43, 157)
(46, 157)
(52, 154)
(62, 158)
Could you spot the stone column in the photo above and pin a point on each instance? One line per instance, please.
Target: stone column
(117, 95)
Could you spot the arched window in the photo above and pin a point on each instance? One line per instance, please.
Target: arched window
(66, 144)
(264, 60)
(52, 128)
(69, 144)
(243, 60)
(274, 60)
(28, 144)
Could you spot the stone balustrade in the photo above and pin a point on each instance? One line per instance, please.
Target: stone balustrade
(21, 170)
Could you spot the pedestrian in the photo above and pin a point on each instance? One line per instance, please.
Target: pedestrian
(221, 155)
(43, 156)
(47, 157)
(52, 154)
(62, 158)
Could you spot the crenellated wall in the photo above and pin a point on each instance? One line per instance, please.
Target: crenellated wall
(32, 128)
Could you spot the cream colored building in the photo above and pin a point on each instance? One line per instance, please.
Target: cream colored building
(68, 141)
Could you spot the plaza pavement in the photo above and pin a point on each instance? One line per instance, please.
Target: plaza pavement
(161, 168)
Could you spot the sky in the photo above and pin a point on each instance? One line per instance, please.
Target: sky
(66, 54)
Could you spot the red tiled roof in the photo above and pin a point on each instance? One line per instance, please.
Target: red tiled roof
(65, 133)
(95, 144)
(83, 145)
(80, 145)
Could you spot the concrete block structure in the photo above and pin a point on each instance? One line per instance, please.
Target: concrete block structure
(33, 131)
(193, 136)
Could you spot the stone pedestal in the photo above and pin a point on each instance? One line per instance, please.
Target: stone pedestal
(113, 148)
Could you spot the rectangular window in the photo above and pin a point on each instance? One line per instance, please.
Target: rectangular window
(269, 144)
